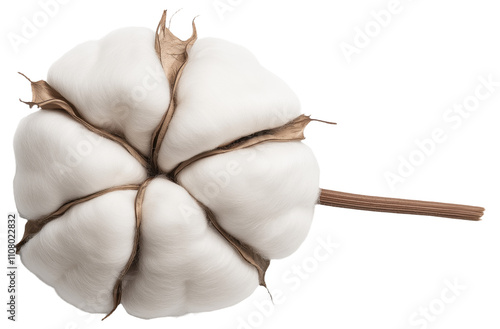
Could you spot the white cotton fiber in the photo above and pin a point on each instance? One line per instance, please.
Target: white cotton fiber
(223, 94)
(185, 265)
(116, 83)
(59, 160)
(82, 252)
(263, 195)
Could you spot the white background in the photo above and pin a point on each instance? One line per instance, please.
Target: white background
(395, 90)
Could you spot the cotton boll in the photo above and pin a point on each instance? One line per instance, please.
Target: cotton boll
(82, 253)
(184, 265)
(222, 95)
(116, 83)
(263, 195)
(58, 160)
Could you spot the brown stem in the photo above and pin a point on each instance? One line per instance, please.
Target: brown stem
(414, 207)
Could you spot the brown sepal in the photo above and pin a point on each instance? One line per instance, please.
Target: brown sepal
(293, 130)
(47, 98)
(173, 54)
